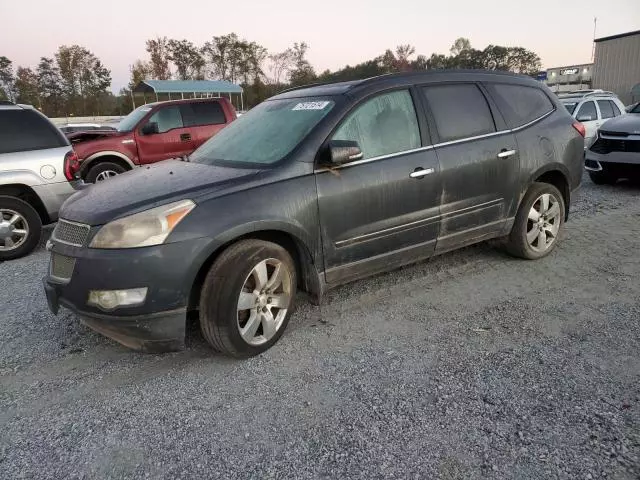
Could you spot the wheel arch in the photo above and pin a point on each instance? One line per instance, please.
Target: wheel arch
(27, 194)
(286, 237)
(556, 175)
(106, 156)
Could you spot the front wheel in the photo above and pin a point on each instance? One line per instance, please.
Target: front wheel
(247, 298)
(20, 228)
(538, 222)
(103, 171)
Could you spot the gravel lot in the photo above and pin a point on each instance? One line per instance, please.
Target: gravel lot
(470, 365)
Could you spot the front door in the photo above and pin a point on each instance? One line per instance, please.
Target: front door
(479, 165)
(382, 210)
(172, 139)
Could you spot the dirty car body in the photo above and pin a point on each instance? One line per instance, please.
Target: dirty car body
(415, 186)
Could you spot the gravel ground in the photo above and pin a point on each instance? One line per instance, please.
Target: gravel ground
(471, 365)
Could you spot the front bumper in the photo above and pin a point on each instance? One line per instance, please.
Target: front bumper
(168, 272)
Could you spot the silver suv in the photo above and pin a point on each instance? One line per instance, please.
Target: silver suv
(36, 162)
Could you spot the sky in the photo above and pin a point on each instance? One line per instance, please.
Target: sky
(338, 32)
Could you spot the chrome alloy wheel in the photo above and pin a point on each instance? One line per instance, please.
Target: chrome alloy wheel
(543, 222)
(264, 301)
(107, 174)
(14, 230)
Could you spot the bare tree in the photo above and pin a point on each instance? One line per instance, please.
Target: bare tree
(280, 65)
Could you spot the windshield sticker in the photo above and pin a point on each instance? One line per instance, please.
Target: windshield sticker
(311, 106)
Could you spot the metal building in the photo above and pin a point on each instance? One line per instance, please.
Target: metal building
(617, 65)
(569, 78)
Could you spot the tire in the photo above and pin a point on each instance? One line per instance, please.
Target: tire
(18, 215)
(102, 169)
(603, 178)
(232, 280)
(525, 224)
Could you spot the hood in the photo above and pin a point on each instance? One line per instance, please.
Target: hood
(147, 187)
(629, 123)
(78, 137)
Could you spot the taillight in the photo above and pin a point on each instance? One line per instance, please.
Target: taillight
(71, 165)
(580, 128)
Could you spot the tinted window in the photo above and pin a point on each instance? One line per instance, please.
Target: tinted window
(167, 118)
(587, 112)
(383, 125)
(22, 130)
(265, 134)
(606, 110)
(209, 113)
(460, 111)
(520, 105)
(616, 110)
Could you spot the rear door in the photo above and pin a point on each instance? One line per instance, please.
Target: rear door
(172, 140)
(205, 119)
(587, 114)
(382, 210)
(479, 163)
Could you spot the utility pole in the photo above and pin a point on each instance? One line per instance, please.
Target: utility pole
(593, 49)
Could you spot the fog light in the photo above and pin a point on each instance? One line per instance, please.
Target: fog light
(111, 299)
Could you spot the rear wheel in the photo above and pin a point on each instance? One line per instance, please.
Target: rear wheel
(247, 298)
(20, 228)
(538, 222)
(103, 171)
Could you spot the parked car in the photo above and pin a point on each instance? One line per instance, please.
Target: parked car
(616, 152)
(84, 127)
(149, 134)
(35, 164)
(592, 110)
(313, 188)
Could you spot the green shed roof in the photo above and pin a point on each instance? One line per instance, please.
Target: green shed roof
(186, 86)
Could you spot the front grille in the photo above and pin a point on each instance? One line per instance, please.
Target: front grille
(61, 266)
(608, 145)
(71, 233)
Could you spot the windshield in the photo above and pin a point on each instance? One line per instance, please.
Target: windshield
(570, 106)
(129, 122)
(265, 134)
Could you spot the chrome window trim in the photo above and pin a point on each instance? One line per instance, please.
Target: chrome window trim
(435, 146)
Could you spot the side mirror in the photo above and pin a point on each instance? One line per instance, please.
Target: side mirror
(584, 118)
(150, 128)
(344, 151)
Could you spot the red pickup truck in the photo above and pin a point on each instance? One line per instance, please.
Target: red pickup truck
(151, 133)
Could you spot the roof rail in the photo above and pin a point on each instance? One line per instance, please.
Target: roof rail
(598, 92)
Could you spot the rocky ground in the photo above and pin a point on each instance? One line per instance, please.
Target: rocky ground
(470, 365)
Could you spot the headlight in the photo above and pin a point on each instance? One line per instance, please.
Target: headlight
(150, 227)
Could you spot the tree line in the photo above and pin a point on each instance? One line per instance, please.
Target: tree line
(75, 82)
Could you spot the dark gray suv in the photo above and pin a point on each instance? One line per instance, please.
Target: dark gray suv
(313, 188)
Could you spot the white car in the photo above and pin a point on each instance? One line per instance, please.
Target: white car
(592, 109)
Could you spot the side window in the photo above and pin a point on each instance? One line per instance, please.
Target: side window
(382, 125)
(167, 118)
(519, 104)
(587, 112)
(616, 110)
(460, 111)
(23, 130)
(202, 113)
(606, 110)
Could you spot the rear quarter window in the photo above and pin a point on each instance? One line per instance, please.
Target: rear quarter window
(519, 104)
(23, 130)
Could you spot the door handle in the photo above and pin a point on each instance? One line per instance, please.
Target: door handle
(421, 172)
(185, 137)
(504, 153)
